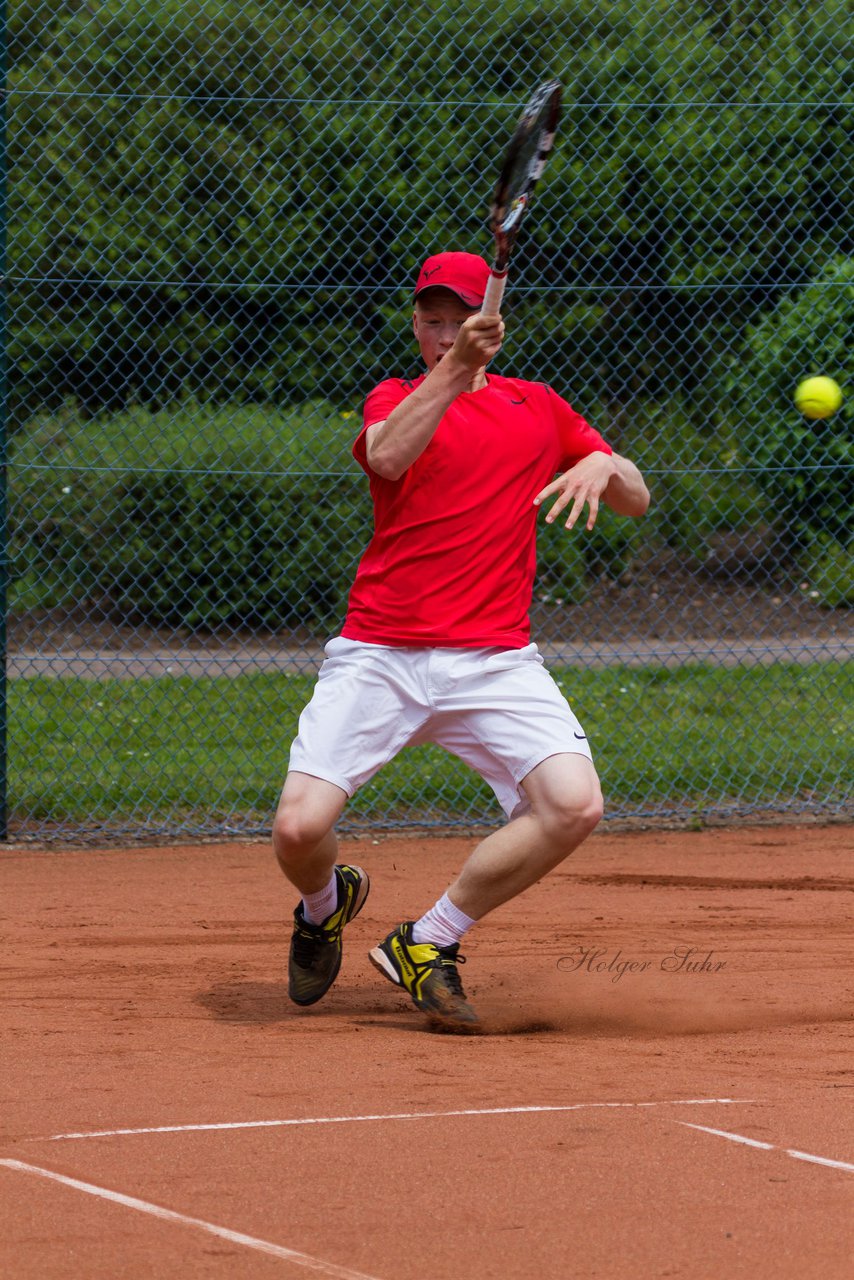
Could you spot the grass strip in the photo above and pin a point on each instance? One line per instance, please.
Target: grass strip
(153, 751)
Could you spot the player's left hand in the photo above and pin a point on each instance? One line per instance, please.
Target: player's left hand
(583, 483)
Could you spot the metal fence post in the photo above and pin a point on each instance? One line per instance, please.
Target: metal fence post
(4, 539)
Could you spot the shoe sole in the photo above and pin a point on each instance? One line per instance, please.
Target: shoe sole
(438, 1022)
(380, 960)
(361, 899)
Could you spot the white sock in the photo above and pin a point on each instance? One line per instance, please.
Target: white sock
(443, 925)
(317, 906)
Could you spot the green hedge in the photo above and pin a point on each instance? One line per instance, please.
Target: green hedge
(214, 551)
(213, 516)
(206, 518)
(807, 467)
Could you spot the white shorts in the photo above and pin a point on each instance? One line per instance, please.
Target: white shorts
(498, 710)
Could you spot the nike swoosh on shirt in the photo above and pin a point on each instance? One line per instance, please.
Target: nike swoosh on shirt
(582, 736)
(522, 401)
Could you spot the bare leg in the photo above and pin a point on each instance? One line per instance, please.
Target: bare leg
(566, 804)
(306, 848)
(304, 842)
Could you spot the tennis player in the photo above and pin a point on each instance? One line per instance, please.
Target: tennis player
(436, 642)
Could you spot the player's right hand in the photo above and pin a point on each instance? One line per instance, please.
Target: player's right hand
(479, 339)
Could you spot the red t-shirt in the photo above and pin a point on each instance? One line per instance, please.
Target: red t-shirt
(453, 556)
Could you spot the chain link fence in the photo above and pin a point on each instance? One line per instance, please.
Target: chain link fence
(215, 213)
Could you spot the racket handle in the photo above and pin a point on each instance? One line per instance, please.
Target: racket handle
(491, 305)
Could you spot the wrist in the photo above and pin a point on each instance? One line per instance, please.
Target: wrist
(454, 369)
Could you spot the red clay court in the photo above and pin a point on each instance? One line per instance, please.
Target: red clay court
(665, 1088)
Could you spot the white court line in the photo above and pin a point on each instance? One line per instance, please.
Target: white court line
(733, 1137)
(402, 1115)
(168, 1215)
(831, 1164)
(769, 1146)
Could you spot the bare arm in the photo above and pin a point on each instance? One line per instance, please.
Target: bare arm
(604, 477)
(626, 492)
(393, 445)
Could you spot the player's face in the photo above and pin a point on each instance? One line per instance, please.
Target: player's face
(436, 323)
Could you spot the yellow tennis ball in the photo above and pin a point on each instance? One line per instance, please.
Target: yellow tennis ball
(818, 397)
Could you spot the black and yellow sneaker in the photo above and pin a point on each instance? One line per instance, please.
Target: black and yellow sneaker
(315, 956)
(429, 974)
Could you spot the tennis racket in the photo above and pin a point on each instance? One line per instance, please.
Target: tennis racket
(523, 164)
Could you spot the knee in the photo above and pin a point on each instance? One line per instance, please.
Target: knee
(576, 813)
(296, 834)
(594, 809)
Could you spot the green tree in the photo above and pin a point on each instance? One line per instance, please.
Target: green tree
(230, 198)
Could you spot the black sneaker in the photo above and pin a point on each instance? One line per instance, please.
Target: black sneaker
(315, 956)
(429, 974)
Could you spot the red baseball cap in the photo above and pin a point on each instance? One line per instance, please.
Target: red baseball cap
(465, 274)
